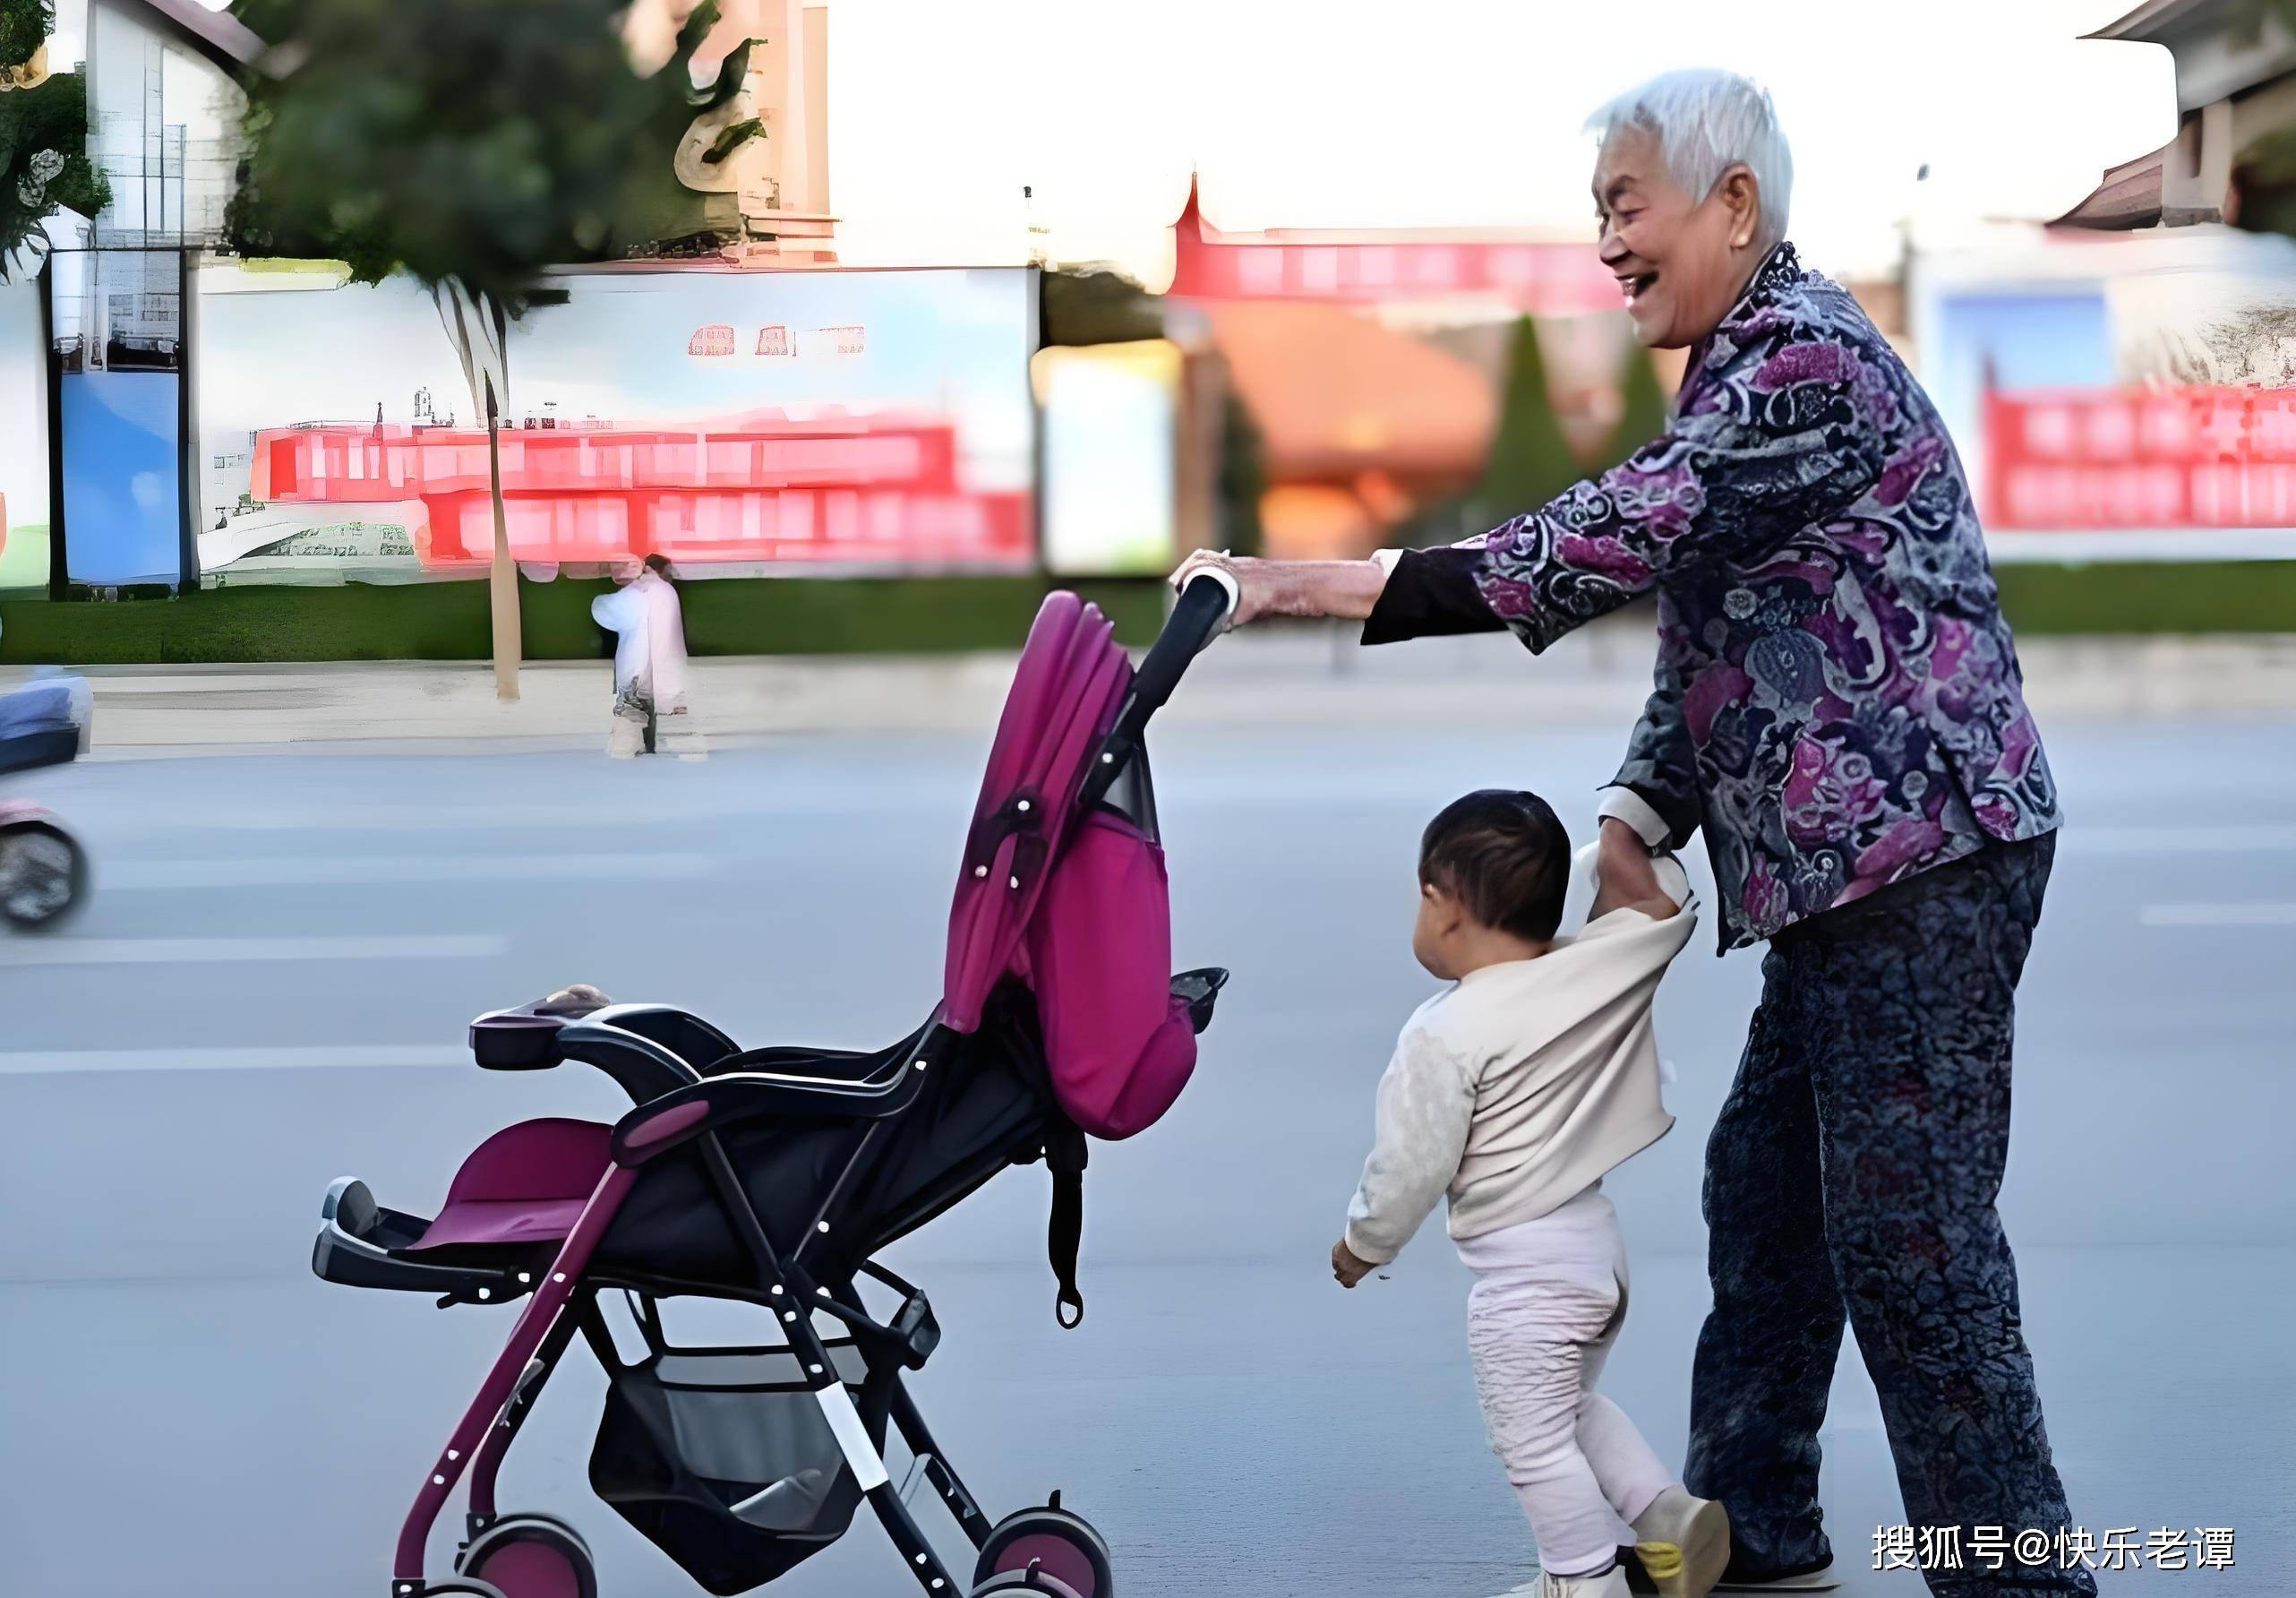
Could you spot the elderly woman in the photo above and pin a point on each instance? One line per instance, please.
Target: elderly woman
(1837, 703)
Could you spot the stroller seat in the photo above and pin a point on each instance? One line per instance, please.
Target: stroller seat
(526, 1184)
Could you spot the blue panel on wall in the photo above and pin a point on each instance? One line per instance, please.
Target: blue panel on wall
(122, 485)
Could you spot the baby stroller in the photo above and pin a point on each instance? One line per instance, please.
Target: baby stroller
(770, 1177)
(43, 872)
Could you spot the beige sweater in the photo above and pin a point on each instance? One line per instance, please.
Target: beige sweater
(1520, 1084)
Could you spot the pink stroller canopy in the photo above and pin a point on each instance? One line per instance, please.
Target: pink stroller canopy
(1066, 694)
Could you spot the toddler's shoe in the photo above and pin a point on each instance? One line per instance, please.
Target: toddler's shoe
(1610, 1583)
(1682, 1543)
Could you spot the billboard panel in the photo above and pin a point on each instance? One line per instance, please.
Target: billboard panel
(2169, 457)
(737, 422)
(2119, 398)
(122, 506)
(23, 438)
(1112, 415)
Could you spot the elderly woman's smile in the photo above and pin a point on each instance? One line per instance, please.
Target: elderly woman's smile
(1682, 242)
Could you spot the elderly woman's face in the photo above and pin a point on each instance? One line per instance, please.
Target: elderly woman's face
(1682, 261)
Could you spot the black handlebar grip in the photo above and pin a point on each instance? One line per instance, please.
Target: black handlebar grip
(1201, 608)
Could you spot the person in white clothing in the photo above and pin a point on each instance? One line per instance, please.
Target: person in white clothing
(649, 663)
(1513, 1091)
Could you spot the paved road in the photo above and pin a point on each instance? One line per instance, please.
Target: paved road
(270, 987)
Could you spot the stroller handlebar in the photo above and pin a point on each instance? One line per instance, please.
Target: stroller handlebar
(1228, 585)
(1202, 610)
(1197, 617)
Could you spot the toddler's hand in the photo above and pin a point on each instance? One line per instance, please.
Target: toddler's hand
(1627, 874)
(1347, 1267)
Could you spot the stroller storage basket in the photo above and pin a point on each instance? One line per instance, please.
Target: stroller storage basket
(726, 1462)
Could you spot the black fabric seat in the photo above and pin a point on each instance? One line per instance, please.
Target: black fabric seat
(983, 1108)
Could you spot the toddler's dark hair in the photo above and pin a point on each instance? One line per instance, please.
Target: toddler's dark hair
(1503, 854)
(658, 564)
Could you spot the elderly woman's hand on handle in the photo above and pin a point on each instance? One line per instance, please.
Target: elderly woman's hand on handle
(1344, 588)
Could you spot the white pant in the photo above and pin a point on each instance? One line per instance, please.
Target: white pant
(1548, 1299)
(675, 733)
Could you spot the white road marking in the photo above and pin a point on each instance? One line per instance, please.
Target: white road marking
(329, 871)
(23, 952)
(34, 1062)
(2181, 840)
(2254, 913)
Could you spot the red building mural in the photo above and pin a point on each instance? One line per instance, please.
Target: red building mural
(847, 490)
(2190, 457)
(1541, 277)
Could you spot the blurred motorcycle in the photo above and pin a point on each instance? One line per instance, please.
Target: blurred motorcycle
(43, 868)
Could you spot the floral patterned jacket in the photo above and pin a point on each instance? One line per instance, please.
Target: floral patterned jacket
(1838, 698)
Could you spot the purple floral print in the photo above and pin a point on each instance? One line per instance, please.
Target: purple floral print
(1830, 638)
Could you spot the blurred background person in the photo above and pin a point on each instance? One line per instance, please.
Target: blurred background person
(649, 706)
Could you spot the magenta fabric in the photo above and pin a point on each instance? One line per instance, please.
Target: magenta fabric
(1119, 1047)
(1064, 695)
(668, 1124)
(526, 1184)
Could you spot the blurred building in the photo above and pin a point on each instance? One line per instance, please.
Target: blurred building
(1360, 423)
(2235, 82)
(120, 414)
(1373, 360)
(2121, 382)
(163, 113)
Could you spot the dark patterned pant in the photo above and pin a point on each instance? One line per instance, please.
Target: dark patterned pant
(1852, 1172)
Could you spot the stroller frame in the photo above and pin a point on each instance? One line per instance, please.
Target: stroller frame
(663, 1058)
(565, 1300)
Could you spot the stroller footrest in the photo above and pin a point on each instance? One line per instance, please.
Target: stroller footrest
(354, 1248)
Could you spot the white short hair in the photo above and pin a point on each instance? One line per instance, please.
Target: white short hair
(1707, 121)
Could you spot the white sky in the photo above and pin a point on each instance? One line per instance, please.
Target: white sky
(1440, 113)
(1341, 113)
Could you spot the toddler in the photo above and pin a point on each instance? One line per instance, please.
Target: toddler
(1513, 1090)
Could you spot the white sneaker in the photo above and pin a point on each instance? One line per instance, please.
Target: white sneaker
(1610, 1583)
(1682, 1544)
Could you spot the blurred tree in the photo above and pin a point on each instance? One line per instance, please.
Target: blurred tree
(2263, 191)
(1095, 307)
(1243, 478)
(24, 28)
(1644, 416)
(43, 165)
(1530, 461)
(470, 146)
(270, 21)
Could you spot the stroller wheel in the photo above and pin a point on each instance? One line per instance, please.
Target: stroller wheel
(528, 1556)
(1030, 1580)
(1053, 1542)
(42, 875)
